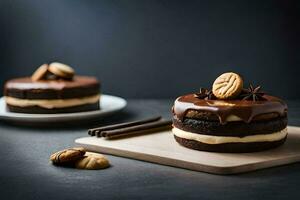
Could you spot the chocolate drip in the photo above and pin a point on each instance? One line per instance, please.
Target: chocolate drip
(246, 110)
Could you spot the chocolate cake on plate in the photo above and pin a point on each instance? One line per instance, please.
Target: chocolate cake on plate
(52, 88)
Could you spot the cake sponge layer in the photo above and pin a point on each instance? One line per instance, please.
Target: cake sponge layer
(237, 128)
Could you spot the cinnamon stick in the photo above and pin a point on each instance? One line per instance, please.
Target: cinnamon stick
(141, 132)
(98, 131)
(141, 128)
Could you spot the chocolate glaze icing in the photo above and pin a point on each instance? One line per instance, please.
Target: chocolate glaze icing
(245, 110)
(25, 88)
(26, 83)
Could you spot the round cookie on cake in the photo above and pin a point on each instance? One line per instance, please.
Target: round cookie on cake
(230, 118)
(52, 88)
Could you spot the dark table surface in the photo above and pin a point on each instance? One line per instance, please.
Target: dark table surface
(25, 171)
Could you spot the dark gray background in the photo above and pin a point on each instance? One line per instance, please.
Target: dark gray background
(155, 49)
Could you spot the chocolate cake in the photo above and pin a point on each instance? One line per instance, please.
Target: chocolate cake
(251, 121)
(50, 93)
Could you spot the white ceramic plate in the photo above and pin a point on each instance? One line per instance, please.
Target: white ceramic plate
(109, 104)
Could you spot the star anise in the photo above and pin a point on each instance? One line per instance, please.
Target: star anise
(205, 94)
(253, 93)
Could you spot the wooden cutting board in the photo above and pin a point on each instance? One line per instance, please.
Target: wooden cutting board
(161, 148)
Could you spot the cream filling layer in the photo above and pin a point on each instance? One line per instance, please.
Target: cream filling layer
(233, 118)
(52, 103)
(208, 139)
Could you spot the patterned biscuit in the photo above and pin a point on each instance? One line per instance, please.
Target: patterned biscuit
(61, 70)
(67, 155)
(92, 161)
(40, 73)
(227, 86)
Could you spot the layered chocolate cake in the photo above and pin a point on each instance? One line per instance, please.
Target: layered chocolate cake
(230, 118)
(52, 89)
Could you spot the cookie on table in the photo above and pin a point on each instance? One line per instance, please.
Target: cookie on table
(92, 161)
(67, 156)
